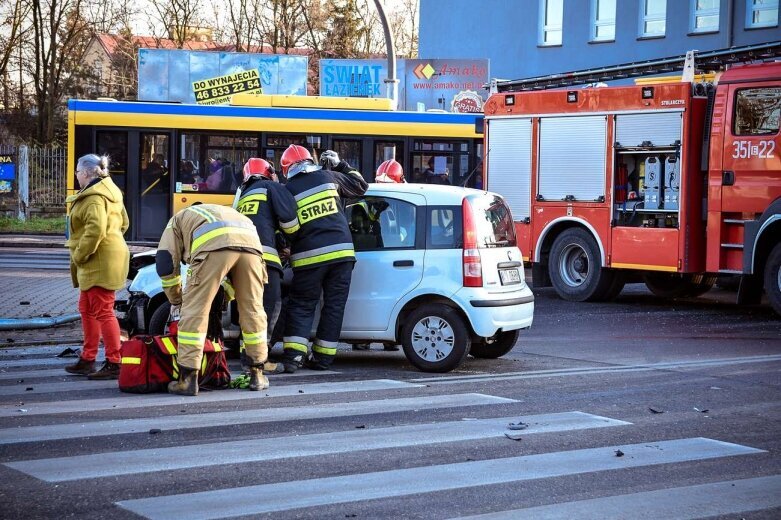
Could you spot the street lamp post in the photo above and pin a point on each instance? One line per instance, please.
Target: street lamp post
(391, 82)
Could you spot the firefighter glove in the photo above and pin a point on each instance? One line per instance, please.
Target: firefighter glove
(174, 313)
(329, 159)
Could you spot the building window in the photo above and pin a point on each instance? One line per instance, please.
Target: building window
(603, 20)
(653, 18)
(761, 13)
(704, 16)
(551, 16)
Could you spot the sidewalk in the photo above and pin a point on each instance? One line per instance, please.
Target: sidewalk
(35, 293)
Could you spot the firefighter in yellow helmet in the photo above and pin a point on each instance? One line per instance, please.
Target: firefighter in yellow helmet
(215, 241)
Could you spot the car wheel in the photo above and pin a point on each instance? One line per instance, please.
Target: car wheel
(435, 338)
(499, 345)
(773, 278)
(575, 267)
(158, 323)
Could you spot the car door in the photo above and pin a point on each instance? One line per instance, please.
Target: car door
(389, 257)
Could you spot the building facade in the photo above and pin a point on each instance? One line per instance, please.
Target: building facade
(526, 38)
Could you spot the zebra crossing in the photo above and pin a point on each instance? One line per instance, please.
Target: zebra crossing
(408, 422)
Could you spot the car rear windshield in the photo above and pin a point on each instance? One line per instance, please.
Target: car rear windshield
(494, 222)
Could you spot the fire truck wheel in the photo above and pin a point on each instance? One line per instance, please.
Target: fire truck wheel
(773, 278)
(575, 267)
(701, 284)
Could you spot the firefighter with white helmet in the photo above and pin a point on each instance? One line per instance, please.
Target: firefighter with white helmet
(215, 241)
(390, 172)
(322, 254)
(272, 209)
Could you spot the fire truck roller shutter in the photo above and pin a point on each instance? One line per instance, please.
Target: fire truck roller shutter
(509, 162)
(661, 129)
(572, 158)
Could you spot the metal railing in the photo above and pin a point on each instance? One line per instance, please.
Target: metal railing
(41, 173)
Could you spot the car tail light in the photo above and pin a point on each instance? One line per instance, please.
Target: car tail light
(473, 268)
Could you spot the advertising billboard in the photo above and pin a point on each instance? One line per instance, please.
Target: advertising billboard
(450, 85)
(213, 77)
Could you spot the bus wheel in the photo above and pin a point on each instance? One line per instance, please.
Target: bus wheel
(773, 278)
(575, 267)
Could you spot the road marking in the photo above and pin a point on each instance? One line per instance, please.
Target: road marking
(55, 372)
(683, 503)
(262, 415)
(165, 459)
(52, 350)
(125, 401)
(284, 496)
(576, 371)
(65, 386)
(31, 362)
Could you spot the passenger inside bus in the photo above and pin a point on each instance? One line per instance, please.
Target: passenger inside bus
(155, 175)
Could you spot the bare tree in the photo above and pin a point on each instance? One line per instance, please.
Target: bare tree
(177, 19)
(403, 23)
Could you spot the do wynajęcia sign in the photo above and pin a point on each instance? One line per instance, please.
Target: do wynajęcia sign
(216, 91)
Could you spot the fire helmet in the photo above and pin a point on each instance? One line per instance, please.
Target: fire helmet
(294, 154)
(258, 166)
(390, 171)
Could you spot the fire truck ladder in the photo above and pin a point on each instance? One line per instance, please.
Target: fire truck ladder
(702, 62)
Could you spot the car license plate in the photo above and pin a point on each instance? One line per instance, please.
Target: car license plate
(509, 276)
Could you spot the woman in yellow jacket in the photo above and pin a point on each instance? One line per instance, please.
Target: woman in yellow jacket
(99, 262)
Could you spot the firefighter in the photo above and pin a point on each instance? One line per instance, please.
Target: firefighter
(322, 254)
(215, 241)
(272, 209)
(389, 172)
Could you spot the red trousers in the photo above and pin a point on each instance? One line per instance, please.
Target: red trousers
(96, 306)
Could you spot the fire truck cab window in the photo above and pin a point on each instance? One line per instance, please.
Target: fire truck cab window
(757, 111)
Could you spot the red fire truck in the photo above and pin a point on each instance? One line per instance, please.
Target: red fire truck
(670, 183)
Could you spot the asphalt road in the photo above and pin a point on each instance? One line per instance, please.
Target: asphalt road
(20, 258)
(634, 409)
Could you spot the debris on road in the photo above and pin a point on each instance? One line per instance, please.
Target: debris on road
(517, 426)
(360, 427)
(619, 453)
(704, 410)
(513, 437)
(655, 410)
(69, 352)
(154, 431)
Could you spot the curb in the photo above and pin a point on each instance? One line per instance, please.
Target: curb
(65, 342)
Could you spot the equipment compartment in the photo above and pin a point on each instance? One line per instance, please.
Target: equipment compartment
(647, 187)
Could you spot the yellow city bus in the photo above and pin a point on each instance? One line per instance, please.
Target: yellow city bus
(165, 156)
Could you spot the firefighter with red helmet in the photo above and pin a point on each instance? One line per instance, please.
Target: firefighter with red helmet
(322, 254)
(390, 172)
(272, 209)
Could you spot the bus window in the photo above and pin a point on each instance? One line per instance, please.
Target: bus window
(350, 151)
(213, 164)
(434, 160)
(155, 185)
(276, 144)
(384, 151)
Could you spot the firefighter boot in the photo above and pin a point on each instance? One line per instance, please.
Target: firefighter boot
(187, 383)
(257, 381)
(292, 362)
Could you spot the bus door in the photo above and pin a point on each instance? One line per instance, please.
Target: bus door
(115, 145)
(153, 186)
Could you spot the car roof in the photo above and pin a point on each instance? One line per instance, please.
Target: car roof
(436, 194)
